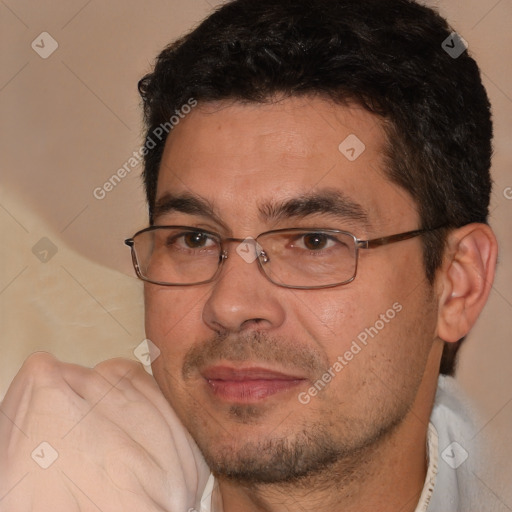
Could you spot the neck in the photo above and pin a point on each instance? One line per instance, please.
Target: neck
(387, 476)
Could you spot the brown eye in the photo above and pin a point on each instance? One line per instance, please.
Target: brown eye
(315, 241)
(195, 240)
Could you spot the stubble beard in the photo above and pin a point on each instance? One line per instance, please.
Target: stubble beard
(309, 454)
(328, 449)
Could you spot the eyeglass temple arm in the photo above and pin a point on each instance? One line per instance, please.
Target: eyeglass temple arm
(377, 242)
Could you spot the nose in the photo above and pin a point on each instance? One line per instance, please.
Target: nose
(242, 298)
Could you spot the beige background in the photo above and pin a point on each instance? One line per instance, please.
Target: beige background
(71, 120)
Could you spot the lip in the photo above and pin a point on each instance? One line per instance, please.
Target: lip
(248, 384)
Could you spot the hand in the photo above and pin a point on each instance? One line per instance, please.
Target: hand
(112, 443)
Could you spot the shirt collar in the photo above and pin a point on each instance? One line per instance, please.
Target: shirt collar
(430, 480)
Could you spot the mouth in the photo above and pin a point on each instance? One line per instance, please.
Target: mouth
(248, 384)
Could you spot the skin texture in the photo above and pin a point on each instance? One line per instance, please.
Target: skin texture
(270, 453)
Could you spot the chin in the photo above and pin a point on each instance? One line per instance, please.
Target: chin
(272, 460)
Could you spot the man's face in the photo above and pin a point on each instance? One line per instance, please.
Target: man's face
(250, 367)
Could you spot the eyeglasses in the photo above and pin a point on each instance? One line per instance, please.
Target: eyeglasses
(303, 258)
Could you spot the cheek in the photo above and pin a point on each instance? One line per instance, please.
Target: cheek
(173, 323)
(172, 318)
(334, 317)
(369, 329)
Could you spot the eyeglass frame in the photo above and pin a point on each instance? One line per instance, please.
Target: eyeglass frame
(223, 254)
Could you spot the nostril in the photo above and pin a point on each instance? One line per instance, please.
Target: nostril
(251, 322)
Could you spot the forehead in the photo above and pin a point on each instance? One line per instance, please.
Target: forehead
(241, 156)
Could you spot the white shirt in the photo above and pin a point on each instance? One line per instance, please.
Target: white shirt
(460, 469)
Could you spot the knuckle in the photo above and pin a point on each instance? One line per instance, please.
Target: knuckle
(41, 367)
(128, 377)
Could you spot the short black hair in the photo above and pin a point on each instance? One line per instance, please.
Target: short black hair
(392, 57)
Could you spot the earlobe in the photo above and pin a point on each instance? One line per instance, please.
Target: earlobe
(465, 279)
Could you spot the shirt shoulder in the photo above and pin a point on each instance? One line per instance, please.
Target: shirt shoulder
(464, 477)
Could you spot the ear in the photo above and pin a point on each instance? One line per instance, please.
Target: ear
(465, 279)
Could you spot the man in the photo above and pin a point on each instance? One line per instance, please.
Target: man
(317, 176)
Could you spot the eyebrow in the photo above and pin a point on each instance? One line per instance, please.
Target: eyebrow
(188, 204)
(326, 201)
